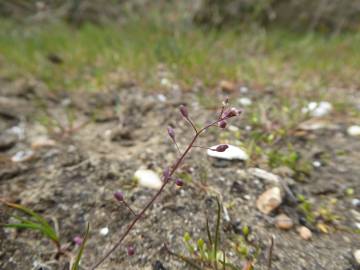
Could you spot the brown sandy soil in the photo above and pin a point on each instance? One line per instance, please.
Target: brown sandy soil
(72, 183)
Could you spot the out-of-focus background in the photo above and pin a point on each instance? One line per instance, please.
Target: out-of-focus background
(87, 86)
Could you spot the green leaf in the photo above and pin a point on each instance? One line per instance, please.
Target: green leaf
(76, 264)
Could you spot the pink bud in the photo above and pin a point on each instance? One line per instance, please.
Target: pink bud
(221, 148)
(78, 240)
(184, 112)
(179, 182)
(119, 196)
(130, 250)
(171, 133)
(222, 124)
(232, 112)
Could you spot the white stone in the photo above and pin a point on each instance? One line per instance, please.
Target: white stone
(269, 200)
(354, 130)
(264, 175)
(316, 164)
(357, 256)
(304, 233)
(245, 101)
(42, 142)
(233, 128)
(231, 153)
(244, 89)
(161, 98)
(148, 179)
(104, 231)
(318, 109)
(22, 156)
(165, 82)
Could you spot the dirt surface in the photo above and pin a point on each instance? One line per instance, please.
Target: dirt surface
(72, 180)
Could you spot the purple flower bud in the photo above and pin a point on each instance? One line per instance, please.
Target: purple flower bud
(184, 112)
(171, 133)
(119, 196)
(130, 251)
(221, 148)
(179, 182)
(232, 112)
(78, 240)
(222, 124)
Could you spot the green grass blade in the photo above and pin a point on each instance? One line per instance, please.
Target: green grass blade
(32, 226)
(208, 232)
(217, 231)
(45, 226)
(183, 258)
(76, 264)
(29, 212)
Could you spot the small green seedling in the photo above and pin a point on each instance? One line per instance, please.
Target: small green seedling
(207, 254)
(33, 221)
(76, 264)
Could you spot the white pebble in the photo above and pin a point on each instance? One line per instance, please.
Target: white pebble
(231, 153)
(357, 256)
(354, 130)
(318, 109)
(245, 101)
(22, 156)
(317, 164)
(148, 179)
(104, 231)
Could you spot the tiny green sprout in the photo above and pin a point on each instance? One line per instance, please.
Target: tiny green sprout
(189, 246)
(246, 230)
(76, 264)
(202, 248)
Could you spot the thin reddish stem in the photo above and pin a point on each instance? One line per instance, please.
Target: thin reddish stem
(153, 199)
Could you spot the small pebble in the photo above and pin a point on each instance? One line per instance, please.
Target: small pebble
(357, 256)
(283, 222)
(42, 142)
(104, 231)
(148, 179)
(354, 131)
(245, 101)
(304, 233)
(269, 200)
(227, 86)
(244, 89)
(355, 202)
(318, 109)
(317, 164)
(22, 156)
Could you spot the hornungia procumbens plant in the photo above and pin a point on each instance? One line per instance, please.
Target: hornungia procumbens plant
(220, 121)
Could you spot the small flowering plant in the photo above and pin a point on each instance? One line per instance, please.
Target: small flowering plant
(34, 221)
(221, 120)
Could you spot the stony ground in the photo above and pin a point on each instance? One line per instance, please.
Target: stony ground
(69, 176)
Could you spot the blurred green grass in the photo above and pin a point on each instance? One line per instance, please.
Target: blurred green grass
(93, 55)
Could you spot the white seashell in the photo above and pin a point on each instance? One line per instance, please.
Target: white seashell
(148, 179)
(231, 153)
